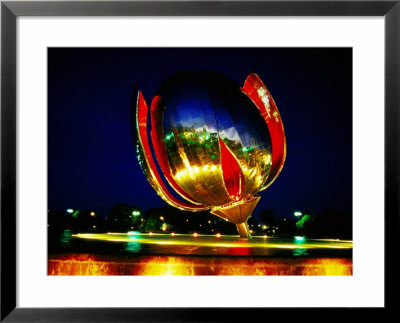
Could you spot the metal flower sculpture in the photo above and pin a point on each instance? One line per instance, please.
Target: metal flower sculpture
(217, 144)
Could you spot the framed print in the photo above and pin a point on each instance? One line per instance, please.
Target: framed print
(218, 237)
(156, 150)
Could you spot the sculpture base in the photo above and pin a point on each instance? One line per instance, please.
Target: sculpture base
(243, 230)
(238, 214)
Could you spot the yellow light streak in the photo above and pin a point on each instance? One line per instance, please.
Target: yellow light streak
(201, 240)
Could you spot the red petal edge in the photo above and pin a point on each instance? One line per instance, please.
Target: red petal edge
(160, 150)
(274, 122)
(232, 173)
(142, 111)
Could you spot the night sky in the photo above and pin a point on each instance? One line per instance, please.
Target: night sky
(91, 158)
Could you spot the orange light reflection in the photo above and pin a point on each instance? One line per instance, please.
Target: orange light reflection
(84, 264)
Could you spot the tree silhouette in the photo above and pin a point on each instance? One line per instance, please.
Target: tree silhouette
(267, 217)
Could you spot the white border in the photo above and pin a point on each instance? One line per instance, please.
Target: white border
(364, 288)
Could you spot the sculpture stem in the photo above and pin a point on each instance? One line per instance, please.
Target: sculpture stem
(243, 230)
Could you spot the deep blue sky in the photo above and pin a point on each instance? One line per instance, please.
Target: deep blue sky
(91, 159)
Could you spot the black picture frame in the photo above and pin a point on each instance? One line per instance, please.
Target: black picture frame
(10, 10)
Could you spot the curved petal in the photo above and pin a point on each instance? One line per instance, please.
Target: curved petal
(233, 177)
(160, 151)
(259, 94)
(151, 173)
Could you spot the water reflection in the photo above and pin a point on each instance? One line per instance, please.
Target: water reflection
(135, 243)
(61, 240)
(300, 252)
(132, 247)
(239, 251)
(136, 253)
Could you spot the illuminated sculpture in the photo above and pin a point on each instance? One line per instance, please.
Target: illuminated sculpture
(217, 144)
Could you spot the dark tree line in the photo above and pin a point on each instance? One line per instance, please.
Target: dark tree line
(328, 224)
(124, 218)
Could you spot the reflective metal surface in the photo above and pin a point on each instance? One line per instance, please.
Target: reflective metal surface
(217, 144)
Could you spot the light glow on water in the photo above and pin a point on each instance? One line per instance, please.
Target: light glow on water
(182, 254)
(217, 240)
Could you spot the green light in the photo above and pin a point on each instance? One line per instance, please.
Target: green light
(299, 238)
(135, 213)
(247, 148)
(297, 213)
